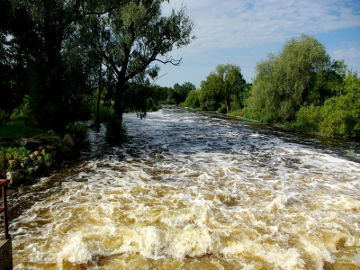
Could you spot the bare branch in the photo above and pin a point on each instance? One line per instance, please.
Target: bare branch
(175, 62)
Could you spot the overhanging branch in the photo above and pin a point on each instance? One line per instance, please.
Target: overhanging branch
(175, 62)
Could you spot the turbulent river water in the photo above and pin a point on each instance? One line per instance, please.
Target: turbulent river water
(192, 190)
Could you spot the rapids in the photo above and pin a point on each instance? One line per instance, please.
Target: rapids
(192, 190)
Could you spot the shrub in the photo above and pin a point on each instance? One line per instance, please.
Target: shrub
(222, 109)
(308, 119)
(105, 113)
(79, 131)
(340, 117)
(22, 112)
(193, 99)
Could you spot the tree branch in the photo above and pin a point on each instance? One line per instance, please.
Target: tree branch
(175, 62)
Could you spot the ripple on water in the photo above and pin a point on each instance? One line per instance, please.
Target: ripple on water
(215, 197)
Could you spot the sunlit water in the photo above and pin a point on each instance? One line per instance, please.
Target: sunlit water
(194, 191)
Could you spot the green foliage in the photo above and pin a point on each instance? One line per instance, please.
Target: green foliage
(223, 89)
(141, 35)
(286, 81)
(14, 152)
(48, 158)
(308, 119)
(236, 113)
(337, 117)
(17, 129)
(222, 109)
(23, 111)
(179, 92)
(8, 153)
(106, 113)
(193, 99)
(151, 98)
(78, 130)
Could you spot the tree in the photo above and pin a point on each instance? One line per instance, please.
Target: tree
(193, 99)
(339, 116)
(140, 36)
(40, 31)
(180, 91)
(286, 81)
(224, 87)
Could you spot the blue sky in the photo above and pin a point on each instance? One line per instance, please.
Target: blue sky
(244, 32)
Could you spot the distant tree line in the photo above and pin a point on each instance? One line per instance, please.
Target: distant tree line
(301, 87)
(61, 59)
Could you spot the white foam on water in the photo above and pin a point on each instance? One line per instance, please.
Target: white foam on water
(253, 201)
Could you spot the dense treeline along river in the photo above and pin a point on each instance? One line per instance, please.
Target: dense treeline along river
(192, 190)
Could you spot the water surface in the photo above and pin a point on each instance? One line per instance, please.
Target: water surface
(195, 191)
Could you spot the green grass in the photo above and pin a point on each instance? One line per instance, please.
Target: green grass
(17, 129)
(236, 113)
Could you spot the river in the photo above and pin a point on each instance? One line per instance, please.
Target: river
(193, 190)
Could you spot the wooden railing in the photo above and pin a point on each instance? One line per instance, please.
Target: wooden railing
(3, 206)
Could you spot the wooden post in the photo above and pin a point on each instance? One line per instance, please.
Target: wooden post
(5, 244)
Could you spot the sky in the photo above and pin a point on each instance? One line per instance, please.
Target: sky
(244, 32)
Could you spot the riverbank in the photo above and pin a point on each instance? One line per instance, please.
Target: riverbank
(191, 190)
(24, 157)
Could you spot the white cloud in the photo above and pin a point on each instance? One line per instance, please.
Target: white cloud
(346, 53)
(350, 54)
(247, 23)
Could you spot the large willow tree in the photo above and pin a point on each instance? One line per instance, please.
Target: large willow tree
(286, 81)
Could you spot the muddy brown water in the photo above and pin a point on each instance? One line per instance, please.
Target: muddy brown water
(193, 190)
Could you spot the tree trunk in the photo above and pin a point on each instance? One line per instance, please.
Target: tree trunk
(228, 101)
(119, 98)
(97, 122)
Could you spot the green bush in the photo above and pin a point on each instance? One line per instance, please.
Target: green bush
(222, 109)
(22, 112)
(17, 130)
(105, 113)
(308, 119)
(193, 99)
(8, 153)
(14, 152)
(78, 130)
(341, 117)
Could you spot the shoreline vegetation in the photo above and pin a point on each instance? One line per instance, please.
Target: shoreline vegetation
(31, 153)
(300, 89)
(62, 64)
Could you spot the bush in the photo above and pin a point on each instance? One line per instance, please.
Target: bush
(14, 152)
(22, 112)
(17, 130)
(341, 117)
(8, 153)
(308, 119)
(222, 109)
(79, 131)
(105, 113)
(338, 117)
(193, 99)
